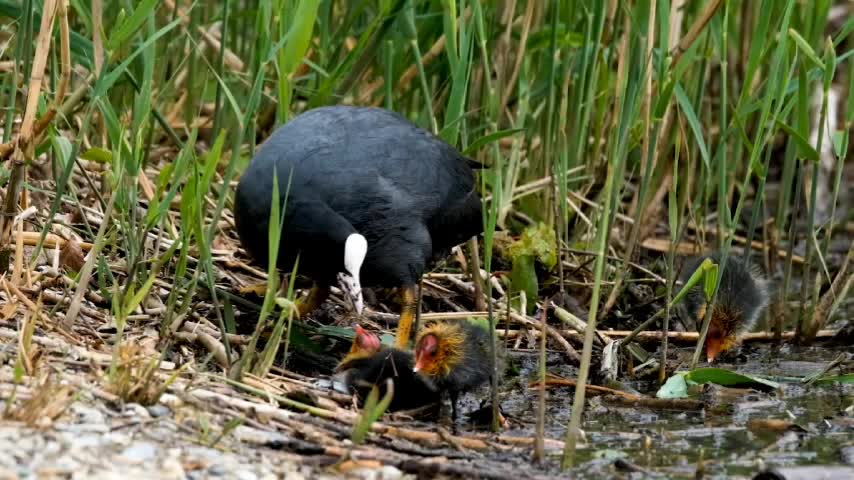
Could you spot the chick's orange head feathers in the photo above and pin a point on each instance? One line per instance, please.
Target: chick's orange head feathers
(439, 349)
(713, 348)
(365, 343)
(425, 353)
(722, 336)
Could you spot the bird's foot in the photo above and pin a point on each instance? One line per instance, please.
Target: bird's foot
(316, 296)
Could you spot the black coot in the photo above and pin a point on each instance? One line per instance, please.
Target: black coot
(372, 199)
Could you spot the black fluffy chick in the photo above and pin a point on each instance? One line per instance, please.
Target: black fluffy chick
(369, 364)
(741, 300)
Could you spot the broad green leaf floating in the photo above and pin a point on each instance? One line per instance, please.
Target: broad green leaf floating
(728, 378)
(846, 379)
(677, 386)
(674, 387)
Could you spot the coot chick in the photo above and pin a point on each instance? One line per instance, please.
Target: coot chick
(742, 297)
(370, 363)
(364, 345)
(370, 199)
(455, 356)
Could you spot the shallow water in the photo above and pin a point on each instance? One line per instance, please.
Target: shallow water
(670, 443)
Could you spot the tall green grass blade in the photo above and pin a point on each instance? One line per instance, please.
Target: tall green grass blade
(131, 24)
(106, 82)
(291, 56)
(805, 48)
(694, 122)
(373, 409)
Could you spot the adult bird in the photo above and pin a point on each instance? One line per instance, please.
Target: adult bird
(369, 200)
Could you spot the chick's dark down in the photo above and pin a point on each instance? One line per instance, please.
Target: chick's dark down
(742, 293)
(360, 170)
(473, 366)
(411, 390)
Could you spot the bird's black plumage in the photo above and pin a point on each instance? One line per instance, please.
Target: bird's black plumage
(358, 170)
(411, 390)
(742, 293)
(741, 298)
(455, 356)
(474, 367)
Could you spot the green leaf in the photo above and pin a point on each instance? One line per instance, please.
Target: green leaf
(63, 148)
(334, 331)
(674, 387)
(487, 139)
(538, 241)
(843, 32)
(693, 280)
(806, 150)
(131, 24)
(664, 97)
(301, 339)
(840, 142)
(229, 95)
(97, 154)
(710, 280)
(679, 384)
(106, 82)
(360, 430)
(728, 378)
(693, 122)
(173, 173)
(286, 304)
(140, 294)
(523, 277)
(805, 48)
(479, 322)
(291, 56)
(846, 379)
(830, 63)
(211, 161)
(228, 315)
(372, 411)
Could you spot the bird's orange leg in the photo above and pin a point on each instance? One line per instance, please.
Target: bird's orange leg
(316, 296)
(409, 305)
(258, 289)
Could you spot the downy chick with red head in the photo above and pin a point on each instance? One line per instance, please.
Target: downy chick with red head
(454, 356)
(742, 298)
(370, 363)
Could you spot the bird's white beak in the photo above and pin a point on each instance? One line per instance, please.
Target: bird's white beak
(353, 290)
(355, 249)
